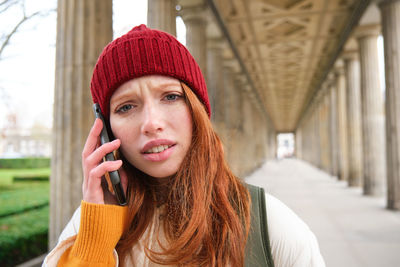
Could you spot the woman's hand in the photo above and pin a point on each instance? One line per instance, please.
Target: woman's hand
(94, 168)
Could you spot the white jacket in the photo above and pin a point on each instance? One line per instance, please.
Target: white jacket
(292, 242)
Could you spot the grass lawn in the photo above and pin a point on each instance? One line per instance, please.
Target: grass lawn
(19, 196)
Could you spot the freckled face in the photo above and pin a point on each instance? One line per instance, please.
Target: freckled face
(151, 118)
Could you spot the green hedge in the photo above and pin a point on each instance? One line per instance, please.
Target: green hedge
(31, 178)
(24, 163)
(23, 236)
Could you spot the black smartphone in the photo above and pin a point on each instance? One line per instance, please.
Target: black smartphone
(114, 175)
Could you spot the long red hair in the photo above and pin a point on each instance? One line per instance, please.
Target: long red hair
(207, 208)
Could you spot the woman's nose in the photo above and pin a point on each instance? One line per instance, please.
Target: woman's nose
(152, 120)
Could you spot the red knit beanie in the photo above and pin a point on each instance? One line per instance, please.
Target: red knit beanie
(144, 51)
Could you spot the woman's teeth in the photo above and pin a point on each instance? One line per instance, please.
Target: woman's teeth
(157, 149)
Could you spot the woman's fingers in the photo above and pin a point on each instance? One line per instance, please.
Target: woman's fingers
(92, 142)
(93, 167)
(93, 192)
(100, 152)
(93, 138)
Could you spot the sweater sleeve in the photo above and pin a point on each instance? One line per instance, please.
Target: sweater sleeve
(101, 226)
(292, 242)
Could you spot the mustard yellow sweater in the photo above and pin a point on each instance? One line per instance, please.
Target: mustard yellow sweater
(101, 227)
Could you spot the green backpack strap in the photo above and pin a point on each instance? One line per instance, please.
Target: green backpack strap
(258, 248)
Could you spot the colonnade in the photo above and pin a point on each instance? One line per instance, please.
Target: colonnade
(345, 130)
(83, 29)
(248, 136)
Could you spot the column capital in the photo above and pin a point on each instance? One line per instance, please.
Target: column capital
(319, 96)
(232, 64)
(325, 86)
(368, 30)
(339, 67)
(330, 79)
(216, 43)
(195, 13)
(350, 55)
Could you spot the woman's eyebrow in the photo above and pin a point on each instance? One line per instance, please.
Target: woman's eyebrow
(123, 95)
(166, 85)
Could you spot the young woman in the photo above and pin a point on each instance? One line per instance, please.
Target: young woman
(185, 207)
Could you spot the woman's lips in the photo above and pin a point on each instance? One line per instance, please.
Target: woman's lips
(159, 156)
(156, 143)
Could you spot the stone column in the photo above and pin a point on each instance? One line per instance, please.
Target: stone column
(243, 132)
(352, 69)
(240, 87)
(312, 138)
(309, 137)
(161, 14)
(272, 142)
(257, 137)
(234, 125)
(83, 29)
(390, 13)
(195, 19)
(373, 120)
(333, 126)
(300, 133)
(324, 130)
(228, 77)
(247, 130)
(306, 143)
(342, 120)
(255, 146)
(226, 105)
(266, 134)
(215, 82)
(304, 149)
(258, 132)
(317, 133)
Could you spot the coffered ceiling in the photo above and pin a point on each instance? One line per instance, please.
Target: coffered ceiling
(287, 47)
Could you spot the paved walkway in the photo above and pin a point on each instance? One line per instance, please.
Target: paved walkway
(352, 230)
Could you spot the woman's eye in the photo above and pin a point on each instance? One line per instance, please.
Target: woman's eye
(172, 97)
(124, 108)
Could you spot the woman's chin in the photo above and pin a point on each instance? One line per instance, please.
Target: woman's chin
(164, 169)
(159, 174)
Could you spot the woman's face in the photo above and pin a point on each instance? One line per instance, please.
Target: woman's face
(151, 118)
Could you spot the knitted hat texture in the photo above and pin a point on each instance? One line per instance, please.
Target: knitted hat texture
(144, 51)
